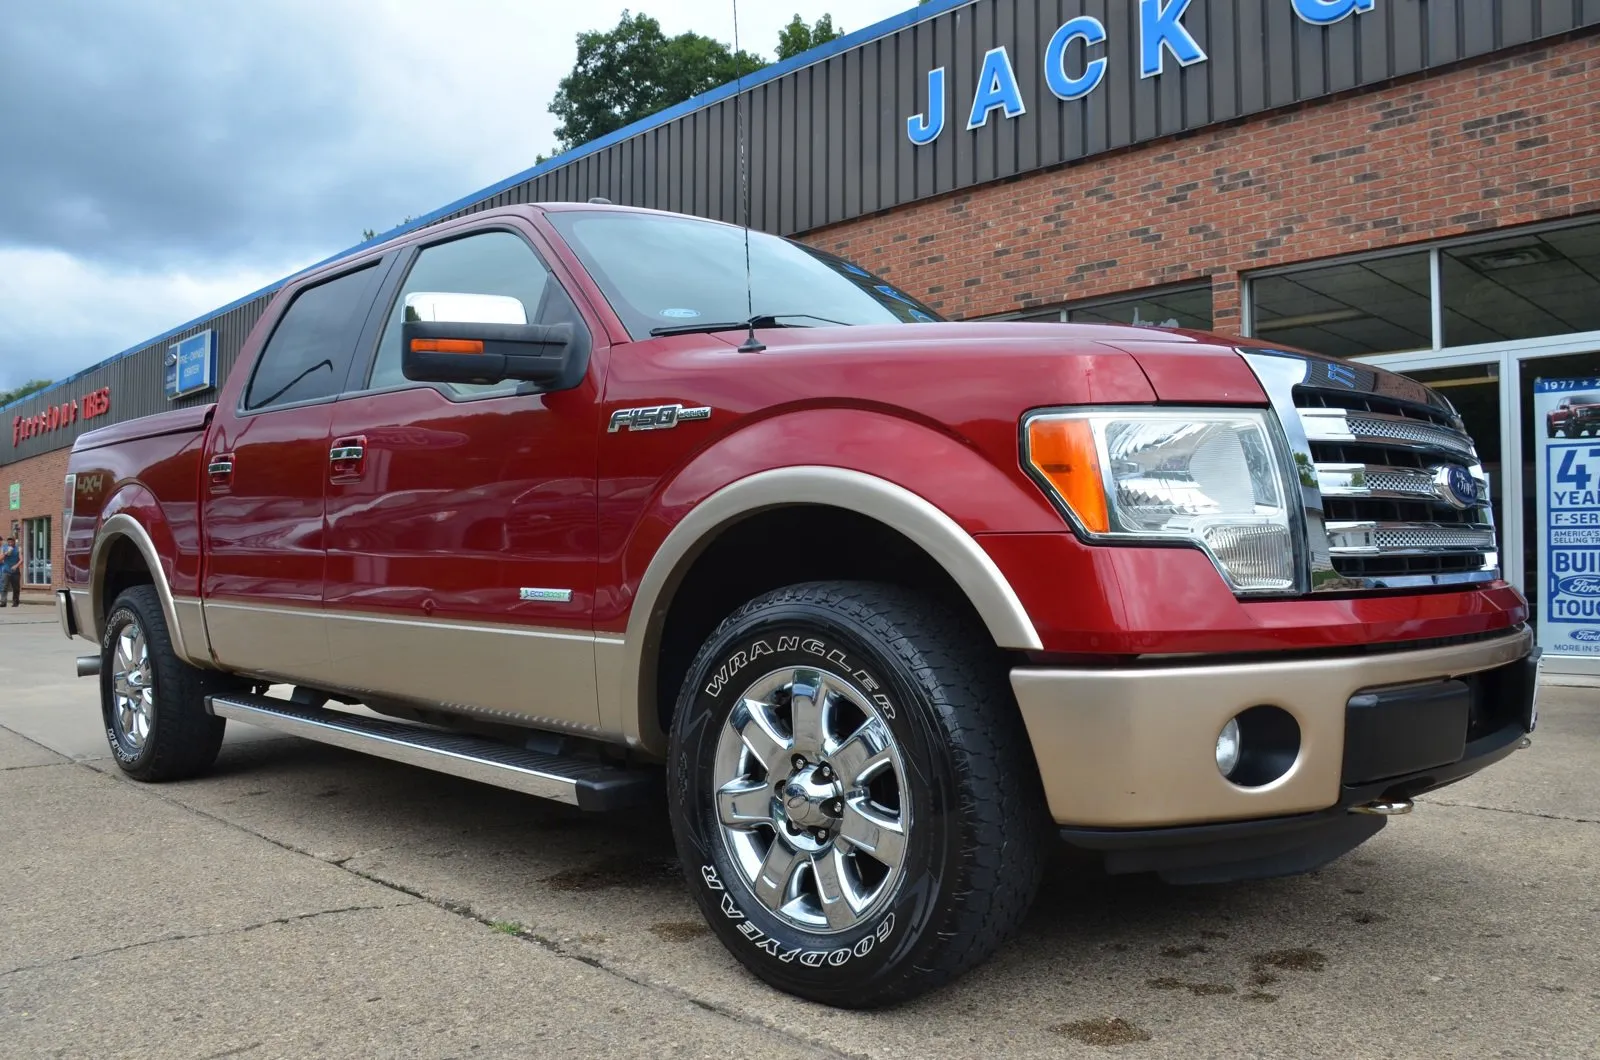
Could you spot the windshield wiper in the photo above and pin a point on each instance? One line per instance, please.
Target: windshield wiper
(760, 320)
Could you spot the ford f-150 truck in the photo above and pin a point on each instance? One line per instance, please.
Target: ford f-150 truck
(875, 607)
(1575, 415)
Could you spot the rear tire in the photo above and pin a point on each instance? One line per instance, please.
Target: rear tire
(855, 743)
(153, 703)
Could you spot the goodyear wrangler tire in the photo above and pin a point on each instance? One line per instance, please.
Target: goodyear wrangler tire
(852, 794)
(153, 703)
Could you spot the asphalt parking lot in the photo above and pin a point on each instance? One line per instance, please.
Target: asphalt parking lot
(305, 900)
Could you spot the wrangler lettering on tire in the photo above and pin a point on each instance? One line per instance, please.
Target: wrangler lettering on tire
(852, 796)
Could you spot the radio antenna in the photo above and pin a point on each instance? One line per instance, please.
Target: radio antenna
(751, 343)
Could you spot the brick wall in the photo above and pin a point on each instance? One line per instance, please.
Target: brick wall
(1511, 140)
(41, 480)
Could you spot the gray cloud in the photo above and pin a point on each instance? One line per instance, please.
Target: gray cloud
(161, 158)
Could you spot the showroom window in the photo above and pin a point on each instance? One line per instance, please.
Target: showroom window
(1157, 307)
(1467, 292)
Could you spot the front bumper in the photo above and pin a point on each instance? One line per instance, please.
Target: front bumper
(1135, 748)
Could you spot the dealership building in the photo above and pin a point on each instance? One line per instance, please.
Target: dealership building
(1412, 183)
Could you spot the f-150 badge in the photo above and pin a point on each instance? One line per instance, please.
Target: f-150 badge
(655, 417)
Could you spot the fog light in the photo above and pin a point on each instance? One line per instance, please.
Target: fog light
(1228, 748)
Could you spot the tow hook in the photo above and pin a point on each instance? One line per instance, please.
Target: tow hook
(1385, 807)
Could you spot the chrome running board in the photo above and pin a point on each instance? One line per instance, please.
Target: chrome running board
(580, 782)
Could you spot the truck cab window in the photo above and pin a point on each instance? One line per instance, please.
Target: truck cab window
(487, 263)
(309, 353)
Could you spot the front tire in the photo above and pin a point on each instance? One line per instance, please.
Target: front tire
(153, 702)
(853, 797)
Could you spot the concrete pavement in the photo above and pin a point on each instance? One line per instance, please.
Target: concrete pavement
(304, 900)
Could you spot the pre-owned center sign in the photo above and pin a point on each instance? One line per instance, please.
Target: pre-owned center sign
(1074, 63)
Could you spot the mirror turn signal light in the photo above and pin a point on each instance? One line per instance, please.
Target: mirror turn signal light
(1064, 452)
(447, 345)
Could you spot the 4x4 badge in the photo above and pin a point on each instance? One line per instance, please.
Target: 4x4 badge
(655, 417)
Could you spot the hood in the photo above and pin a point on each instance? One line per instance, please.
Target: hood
(1181, 367)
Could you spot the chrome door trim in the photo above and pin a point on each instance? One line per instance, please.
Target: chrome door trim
(627, 698)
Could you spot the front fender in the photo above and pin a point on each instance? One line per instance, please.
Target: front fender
(929, 486)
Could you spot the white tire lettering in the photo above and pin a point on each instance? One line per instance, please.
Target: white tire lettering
(709, 874)
(813, 958)
(749, 930)
(864, 947)
(788, 643)
(838, 957)
(885, 928)
(730, 910)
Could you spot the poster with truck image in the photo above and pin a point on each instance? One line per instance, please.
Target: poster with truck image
(1569, 515)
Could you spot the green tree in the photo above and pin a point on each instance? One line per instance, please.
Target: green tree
(633, 71)
(32, 386)
(797, 37)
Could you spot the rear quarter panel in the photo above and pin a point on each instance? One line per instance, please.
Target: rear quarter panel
(154, 479)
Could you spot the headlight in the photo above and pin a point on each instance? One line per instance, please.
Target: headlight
(1203, 476)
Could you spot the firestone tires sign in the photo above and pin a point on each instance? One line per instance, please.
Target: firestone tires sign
(1567, 423)
(1075, 61)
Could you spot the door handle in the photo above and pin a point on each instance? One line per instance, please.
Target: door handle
(347, 458)
(220, 469)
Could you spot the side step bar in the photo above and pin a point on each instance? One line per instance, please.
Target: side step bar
(584, 783)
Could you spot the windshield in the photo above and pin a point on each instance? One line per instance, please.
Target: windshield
(660, 271)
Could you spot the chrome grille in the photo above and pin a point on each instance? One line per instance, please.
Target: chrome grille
(1376, 453)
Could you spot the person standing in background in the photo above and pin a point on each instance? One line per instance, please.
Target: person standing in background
(11, 573)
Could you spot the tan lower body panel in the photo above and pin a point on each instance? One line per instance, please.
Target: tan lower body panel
(517, 674)
(1137, 748)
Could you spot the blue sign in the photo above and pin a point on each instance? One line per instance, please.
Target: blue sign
(1567, 424)
(191, 365)
(1076, 58)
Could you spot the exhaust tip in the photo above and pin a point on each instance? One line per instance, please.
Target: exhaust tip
(88, 665)
(1385, 807)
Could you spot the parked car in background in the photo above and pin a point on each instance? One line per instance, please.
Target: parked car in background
(879, 607)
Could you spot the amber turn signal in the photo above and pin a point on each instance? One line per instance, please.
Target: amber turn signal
(1064, 452)
(447, 345)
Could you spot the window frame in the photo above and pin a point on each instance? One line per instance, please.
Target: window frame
(1435, 250)
(36, 530)
(357, 384)
(385, 264)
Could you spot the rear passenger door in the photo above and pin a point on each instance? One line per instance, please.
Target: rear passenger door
(461, 519)
(265, 471)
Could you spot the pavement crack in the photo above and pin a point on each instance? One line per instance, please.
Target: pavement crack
(36, 765)
(1518, 813)
(182, 937)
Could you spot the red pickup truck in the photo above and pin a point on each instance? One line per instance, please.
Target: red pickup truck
(1574, 415)
(874, 607)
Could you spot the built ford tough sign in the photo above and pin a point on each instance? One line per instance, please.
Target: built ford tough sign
(879, 607)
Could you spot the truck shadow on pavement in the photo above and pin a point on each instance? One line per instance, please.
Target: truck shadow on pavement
(1132, 953)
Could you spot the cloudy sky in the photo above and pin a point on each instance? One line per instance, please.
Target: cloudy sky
(163, 158)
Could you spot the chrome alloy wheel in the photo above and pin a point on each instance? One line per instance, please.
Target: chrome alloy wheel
(811, 795)
(132, 688)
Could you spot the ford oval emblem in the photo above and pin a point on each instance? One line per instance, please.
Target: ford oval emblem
(1456, 486)
(1586, 635)
(1579, 585)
